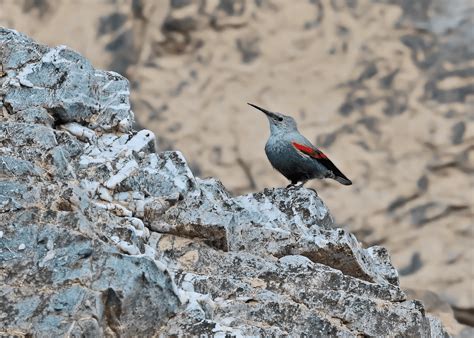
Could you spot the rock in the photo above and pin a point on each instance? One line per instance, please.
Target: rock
(435, 305)
(291, 295)
(282, 222)
(393, 68)
(103, 236)
(62, 82)
(63, 271)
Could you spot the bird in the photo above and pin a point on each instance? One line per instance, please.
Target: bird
(293, 155)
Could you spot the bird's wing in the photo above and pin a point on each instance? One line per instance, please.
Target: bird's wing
(309, 151)
(318, 155)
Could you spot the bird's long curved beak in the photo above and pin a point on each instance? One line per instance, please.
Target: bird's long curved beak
(268, 113)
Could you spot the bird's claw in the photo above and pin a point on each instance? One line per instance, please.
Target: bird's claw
(295, 185)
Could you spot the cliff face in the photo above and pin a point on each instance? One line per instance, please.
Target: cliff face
(102, 235)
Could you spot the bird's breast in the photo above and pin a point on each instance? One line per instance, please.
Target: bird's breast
(279, 152)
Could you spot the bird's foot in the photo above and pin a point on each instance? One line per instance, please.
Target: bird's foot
(295, 184)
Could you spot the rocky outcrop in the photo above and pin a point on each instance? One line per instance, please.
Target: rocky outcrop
(102, 235)
(385, 87)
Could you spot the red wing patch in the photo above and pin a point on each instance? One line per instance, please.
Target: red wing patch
(322, 159)
(314, 153)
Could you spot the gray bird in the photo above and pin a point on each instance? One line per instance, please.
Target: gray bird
(293, 155)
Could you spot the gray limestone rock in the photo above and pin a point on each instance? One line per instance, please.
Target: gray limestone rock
(61, 81)
(100, 235)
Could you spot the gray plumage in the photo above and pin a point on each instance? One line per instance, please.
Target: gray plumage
(293, 155)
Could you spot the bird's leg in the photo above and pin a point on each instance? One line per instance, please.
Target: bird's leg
(301, 183)
(296, 184)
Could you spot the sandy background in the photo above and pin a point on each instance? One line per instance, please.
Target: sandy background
(385, 88)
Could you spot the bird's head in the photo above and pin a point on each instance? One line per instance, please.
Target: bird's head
(278, 122)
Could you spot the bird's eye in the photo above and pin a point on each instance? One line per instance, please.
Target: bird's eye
(280, 119)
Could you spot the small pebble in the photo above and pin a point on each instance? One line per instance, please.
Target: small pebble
(1, 234)
(21, 246)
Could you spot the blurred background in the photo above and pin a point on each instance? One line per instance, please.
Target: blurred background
(384, 87)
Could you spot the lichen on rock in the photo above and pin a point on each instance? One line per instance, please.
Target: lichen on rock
(102, 235)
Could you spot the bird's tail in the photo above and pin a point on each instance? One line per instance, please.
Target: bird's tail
(343, 179)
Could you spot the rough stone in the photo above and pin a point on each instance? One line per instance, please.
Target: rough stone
(103, 236)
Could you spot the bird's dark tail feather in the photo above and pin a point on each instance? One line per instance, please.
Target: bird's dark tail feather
(343, 180)
(337, 174)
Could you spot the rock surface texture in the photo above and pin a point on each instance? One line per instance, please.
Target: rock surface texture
(101, 235)
(384, 87)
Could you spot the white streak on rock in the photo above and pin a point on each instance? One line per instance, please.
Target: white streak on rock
(140, 140)
(90, 187)
(125, 172)
(117, 209)
(125, 246)
(296, 261)
(49, 256)
(81, 132)
(22, 76)
(104, 194)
